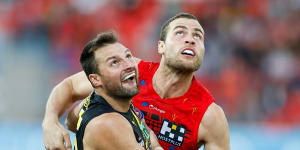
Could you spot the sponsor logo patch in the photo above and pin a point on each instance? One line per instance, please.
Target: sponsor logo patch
(172, 133)
(157, 109)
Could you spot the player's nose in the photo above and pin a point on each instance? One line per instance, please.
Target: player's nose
(189, 40)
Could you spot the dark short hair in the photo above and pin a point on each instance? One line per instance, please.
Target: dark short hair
(87, 57)
(165, 27)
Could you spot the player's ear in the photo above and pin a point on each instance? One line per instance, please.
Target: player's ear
(95, 80)
(161, 47)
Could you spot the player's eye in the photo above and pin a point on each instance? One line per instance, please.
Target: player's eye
(128, 56)
(197, 36)
(114, 62)
(179, 33)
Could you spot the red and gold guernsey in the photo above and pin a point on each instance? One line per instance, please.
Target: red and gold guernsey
(175, 121)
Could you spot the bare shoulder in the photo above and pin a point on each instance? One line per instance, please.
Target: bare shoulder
(213, 115)
(106, 124)
(109, 131)
(214, 130)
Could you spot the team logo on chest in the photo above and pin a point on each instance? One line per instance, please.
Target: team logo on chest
(172, 133)
(166, 129)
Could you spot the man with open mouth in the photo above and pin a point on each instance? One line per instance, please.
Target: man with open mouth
(183, 114)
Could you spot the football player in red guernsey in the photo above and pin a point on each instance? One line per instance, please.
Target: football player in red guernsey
(180, 111)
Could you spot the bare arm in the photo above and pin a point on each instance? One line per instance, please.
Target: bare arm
(72, 118)
(73, 88)
(213, 130)
(110, 131)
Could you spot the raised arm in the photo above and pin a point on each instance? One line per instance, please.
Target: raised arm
(213, 130)
(71, 89)
(73, 116)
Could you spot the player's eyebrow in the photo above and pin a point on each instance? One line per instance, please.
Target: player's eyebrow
(115, 57)
(198, 29)
(184, 27)
(109, 58)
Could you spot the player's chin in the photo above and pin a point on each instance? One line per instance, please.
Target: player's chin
(130, 84)
(132, 91)
(193, 64)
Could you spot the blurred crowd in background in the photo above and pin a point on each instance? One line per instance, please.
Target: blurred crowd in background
(251, 63)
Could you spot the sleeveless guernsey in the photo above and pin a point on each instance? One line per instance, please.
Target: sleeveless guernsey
(175, 121)
(95, 106)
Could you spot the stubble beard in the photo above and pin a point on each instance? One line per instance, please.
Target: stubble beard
(120, 92)
(179, 65)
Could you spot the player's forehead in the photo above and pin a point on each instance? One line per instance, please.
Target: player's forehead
(114, 50)
(187, 23)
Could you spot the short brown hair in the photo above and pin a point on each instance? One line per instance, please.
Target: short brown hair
(87, 57)
(164, 29)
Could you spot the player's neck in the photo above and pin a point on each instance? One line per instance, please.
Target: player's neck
(169, 83)
(121, 105)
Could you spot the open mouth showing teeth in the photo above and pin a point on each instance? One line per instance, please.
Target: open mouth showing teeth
(129, 77)
(188, 52)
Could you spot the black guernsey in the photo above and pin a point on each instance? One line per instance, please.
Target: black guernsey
(94, 106)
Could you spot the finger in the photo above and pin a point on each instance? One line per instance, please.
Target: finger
(53, 137)
(54, 141)
(67, 140)
(59, 145)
